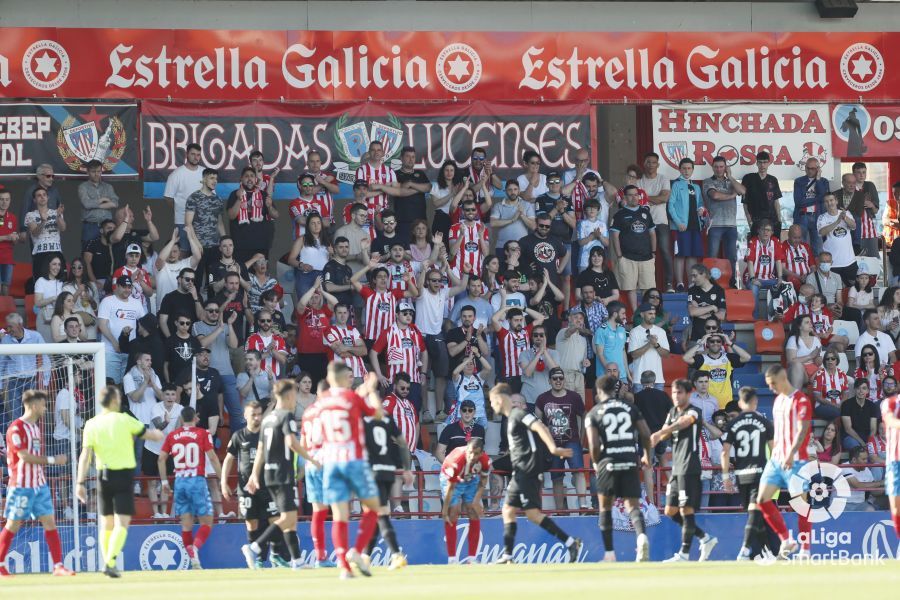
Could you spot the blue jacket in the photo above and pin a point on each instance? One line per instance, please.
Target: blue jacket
(801, 201)
(678, 201)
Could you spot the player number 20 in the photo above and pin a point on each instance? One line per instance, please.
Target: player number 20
(748, 442)
(617, 426)
(186, 456)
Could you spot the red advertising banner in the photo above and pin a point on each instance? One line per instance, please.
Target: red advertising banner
(860, 131)
(358, 66)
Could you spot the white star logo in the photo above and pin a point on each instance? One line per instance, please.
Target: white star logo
(458, 67)
(46, 65)
(862, 66)
(164, 557)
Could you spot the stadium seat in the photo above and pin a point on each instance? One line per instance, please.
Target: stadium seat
(30, 316)
(847, 328)
(7, 306)
(755, 380)
(873, 267)
(719, 271)
(739, 306)
(674, 368)
(769, 337)
(843, 362)
(21, 275)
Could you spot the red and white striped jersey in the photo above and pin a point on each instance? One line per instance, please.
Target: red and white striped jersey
(405, 416)
(300, 209)
(137, 292)
(867, 226)
(469, 251)
(643, 199)
(23, 435)
(341, 413)
(378, 203)
(763, 257)
(347, 336)
(891, 406)
(187, 446)
(403, 349)
(311, 435)
(821, 320)
(788, 414)
(380, 310)
(396, 271)
(795, 310)
(512, 345)
(455, 467)
(798, 260)
(831, 386)
(259, 342)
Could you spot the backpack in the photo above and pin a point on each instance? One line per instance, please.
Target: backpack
(779, 299)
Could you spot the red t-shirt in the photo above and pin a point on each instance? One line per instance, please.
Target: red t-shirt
(311, 326)
(8, 224)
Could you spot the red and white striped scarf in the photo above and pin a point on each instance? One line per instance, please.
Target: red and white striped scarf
(251, 207)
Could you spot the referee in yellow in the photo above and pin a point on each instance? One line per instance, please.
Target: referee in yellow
(110, 435)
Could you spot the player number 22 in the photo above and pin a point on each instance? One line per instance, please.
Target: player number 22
(617, 426)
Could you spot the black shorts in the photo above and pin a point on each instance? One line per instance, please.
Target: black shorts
(384, 491)
(438, 355)
(116, 492)
(150, 464)
(524, 491)
(624, 483)
(286, 497)
(749, 491)
(256, 507)
(684, 491)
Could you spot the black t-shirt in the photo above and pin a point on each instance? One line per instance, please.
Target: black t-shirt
(558, 227)
(179, 353)
(384, 454)
(410, 208)
(218, 271)
(539, 254)
(278, 458)
(101, 259)
(616, 425)
(136, 236)
(655, 405)
(860, 416)
(177, 303)
(761, 196)
(525, 446)
(237, 305)
(634, 228)
(252, 234)
(455, 336)
(686, 442)
(715, 296)
(605, 283)
(242, 447)
(748, 433)
(456, 436)
(209, 385)
(338, 274)
(382, 244)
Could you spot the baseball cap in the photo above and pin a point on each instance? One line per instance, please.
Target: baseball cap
(467, 404)
(555, 371)
(203, 349)
(360, 183)
(554, 175)
(645, 307)
(124, 280)
(405, 305)
(133, 249)
(862, 269)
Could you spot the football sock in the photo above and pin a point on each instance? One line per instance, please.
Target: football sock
(293, 544)
(317, 531)
(450, 536)
(116, 543)
(265, 537)
(474, 536)
(367, 525)
(606, 529)
(104, 543)
(751, 529)
(187, 538)
(553, 529)
(896, 519)
(698, 533)
(6, 538)
(509, 537)
(637, 521)
(54, 545)
(805, 529)
(688, 529)
(676, 518)
(774, 519)
(387, 532)
(202, 533)
(339, 540)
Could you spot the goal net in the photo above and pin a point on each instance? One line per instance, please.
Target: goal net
(71, 375)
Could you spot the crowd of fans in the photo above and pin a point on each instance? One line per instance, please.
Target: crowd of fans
(442, 283)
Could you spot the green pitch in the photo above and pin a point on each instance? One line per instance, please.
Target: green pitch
(520, 582)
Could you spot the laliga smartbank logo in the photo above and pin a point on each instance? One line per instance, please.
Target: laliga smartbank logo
(819, 491)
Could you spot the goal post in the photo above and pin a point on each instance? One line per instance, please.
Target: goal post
(73, 376)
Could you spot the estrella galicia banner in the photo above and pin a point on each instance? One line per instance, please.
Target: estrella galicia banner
(68, 136)
(866, 130)
(341, 133)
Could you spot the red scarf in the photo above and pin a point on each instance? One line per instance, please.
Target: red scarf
(251, 208)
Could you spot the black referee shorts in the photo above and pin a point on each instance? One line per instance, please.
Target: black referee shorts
(116, 491)
(684, 491)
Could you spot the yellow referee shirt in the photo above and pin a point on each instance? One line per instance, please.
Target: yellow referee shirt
(111, 436)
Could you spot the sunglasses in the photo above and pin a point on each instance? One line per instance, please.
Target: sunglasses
(467, 410)
(553, 181)
(212, 310)
(265, 320)
(185, 323)
(834, 358)
(188, 280)
(543, 227)
(712, 327)
(477, 158)
(557, 378)
(867, 354)
(307, 185)
(389, 222)
(434, 281)
(654, 297)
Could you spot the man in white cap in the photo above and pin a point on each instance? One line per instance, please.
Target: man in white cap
(144, 284)
(403, 348)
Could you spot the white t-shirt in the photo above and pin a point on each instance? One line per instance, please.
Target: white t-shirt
(650, 360)
(516, 299)
(159, 412)
(838, 242)
(864, 476)
(884, 346)
(48, 288)
(142, 411)
(64, 402)
(585, 228)
(167, 277)
(540, 189)
(48, 240)
(182, 182)
(437, 192)
(795, 343)
(653, 187)
(120, 313)
(430, 311)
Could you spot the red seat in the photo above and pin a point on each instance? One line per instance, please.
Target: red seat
(30, 317)
(719, 270)
(769, 337)
(7, 306)
(674, 368)
(21, 274)
(739, 306)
